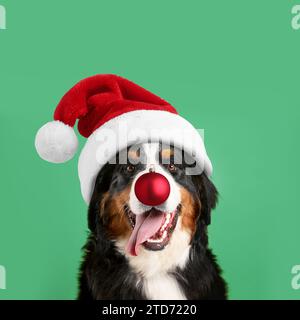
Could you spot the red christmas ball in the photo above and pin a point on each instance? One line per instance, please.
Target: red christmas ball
(152, 189)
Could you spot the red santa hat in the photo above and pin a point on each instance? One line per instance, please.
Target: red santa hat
(113, 113)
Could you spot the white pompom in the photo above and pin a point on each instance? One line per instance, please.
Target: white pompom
(56, 142)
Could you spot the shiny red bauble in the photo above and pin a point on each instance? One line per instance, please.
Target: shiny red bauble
(152, 189)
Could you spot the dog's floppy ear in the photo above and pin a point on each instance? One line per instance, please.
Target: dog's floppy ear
(102, 185)
(208, 195)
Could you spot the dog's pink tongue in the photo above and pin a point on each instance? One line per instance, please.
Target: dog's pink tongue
(146, 225)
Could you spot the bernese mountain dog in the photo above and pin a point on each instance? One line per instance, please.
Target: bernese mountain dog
(139, 251)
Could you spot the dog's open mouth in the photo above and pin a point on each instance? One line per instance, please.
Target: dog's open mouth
(152, 229)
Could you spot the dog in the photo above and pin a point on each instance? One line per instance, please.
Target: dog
(173, 263)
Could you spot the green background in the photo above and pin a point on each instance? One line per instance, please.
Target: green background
(230, 67)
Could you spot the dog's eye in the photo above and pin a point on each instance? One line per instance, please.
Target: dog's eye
(172, 168)
(130, 168)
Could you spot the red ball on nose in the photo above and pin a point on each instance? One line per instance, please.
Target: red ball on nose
(152, 189)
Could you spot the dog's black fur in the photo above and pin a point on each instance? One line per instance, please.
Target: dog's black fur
(106, 274)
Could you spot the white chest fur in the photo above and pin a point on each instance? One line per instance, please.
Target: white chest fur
(163, 287)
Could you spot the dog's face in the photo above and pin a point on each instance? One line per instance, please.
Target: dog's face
(160, 229)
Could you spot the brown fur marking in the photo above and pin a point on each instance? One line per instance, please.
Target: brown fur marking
(189, 211)
(167, 153)
(113, 208)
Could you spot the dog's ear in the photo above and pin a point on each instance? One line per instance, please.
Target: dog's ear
(208, 195)
(101, 186)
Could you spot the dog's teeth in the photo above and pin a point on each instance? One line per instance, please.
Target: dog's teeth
(154, 240)
(159, 239)
(166, 222)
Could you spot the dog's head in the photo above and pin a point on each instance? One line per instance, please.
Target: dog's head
(123, 206)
